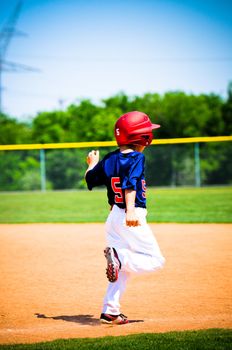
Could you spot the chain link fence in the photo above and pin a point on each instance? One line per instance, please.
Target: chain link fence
(184, 164)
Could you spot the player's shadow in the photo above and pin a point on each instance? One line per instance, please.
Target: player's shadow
(82, 319)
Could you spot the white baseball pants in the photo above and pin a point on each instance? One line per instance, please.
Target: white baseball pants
(137, 249)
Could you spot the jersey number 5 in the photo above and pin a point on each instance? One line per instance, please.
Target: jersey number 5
(115, 184)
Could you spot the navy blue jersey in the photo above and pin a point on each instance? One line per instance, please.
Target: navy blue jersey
(119, 171)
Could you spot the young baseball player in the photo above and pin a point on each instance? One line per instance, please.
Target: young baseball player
(131, 246)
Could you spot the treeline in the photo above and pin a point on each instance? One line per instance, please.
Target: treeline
(180, 114)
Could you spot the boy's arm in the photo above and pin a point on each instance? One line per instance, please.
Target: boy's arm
(92, 160)
(131, 217)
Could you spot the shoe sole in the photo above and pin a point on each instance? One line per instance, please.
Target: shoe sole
(112, 268)
(103, 321)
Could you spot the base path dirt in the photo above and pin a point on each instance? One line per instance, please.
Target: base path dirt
(53, 282)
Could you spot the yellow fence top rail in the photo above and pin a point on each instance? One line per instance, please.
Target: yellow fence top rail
(97, 144)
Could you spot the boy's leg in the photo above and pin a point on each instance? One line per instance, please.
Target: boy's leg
(137, 250)
(137, 247)
(111, 303)
(138, 262)
(144, 254)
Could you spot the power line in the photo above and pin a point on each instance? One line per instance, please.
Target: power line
(128, 59)
(17, 67)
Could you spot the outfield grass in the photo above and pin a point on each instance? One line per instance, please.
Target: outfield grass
(212, 339)
(187, 205)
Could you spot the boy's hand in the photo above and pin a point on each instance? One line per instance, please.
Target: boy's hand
(131, 218)
(92, 158)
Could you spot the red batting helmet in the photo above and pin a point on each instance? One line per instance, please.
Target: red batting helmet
(134, 128)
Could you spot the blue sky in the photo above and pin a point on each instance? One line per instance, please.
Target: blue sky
(95, 49)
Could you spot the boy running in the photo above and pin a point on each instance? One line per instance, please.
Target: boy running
(131, 245)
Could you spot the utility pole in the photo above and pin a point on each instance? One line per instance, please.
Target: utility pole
(6, 33)
(0, 85)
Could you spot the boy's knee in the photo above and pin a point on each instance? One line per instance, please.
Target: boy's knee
(158, 263)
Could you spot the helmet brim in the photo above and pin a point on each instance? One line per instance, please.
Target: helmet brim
(155, 126)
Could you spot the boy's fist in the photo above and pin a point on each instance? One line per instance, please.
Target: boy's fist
(93, 158)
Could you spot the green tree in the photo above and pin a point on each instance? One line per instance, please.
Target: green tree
(119, 102)
(180, 115)
(13, 132)
(65, 168)
(81, 126)
(184, 115)
(50, 127)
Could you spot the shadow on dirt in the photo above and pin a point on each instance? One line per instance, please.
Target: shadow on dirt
(82, 319)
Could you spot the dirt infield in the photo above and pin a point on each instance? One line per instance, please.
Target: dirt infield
(53, 282)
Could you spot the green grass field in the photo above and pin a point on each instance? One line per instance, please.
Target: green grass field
(212, 339)
(183, 205)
